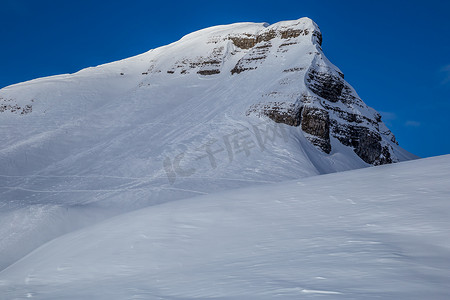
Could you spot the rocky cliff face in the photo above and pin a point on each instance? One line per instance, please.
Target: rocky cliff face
(328, 106)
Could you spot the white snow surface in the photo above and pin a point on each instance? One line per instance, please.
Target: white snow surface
(373, 233)
(152, 129)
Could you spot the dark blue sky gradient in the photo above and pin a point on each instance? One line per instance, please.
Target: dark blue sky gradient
(396, 54)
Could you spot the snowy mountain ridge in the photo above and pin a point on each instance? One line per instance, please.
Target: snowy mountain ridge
(222, 108)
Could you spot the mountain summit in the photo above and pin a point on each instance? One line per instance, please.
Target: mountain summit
(222, 108)
(220, 75)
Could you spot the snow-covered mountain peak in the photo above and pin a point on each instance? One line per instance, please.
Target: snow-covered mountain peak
(224, 107)
(207, 85)
(253, 29)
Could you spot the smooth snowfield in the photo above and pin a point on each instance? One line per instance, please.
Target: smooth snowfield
(373, 233)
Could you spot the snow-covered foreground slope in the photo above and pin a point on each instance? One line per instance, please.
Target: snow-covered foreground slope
(374, 233)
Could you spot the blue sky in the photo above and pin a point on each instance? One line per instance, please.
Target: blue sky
(396, 54)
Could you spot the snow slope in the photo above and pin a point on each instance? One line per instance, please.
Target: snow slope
(373, 233)
(174, 123)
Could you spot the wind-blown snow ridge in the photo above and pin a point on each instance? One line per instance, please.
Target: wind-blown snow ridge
(222, 108)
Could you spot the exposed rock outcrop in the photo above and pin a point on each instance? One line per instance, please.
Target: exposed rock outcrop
(253, 58)
(316, 123)
(208, 72)
(9, 105)
(325, 84)
(259, 44)
(366, 143)
(280, 112)
(247, 41)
